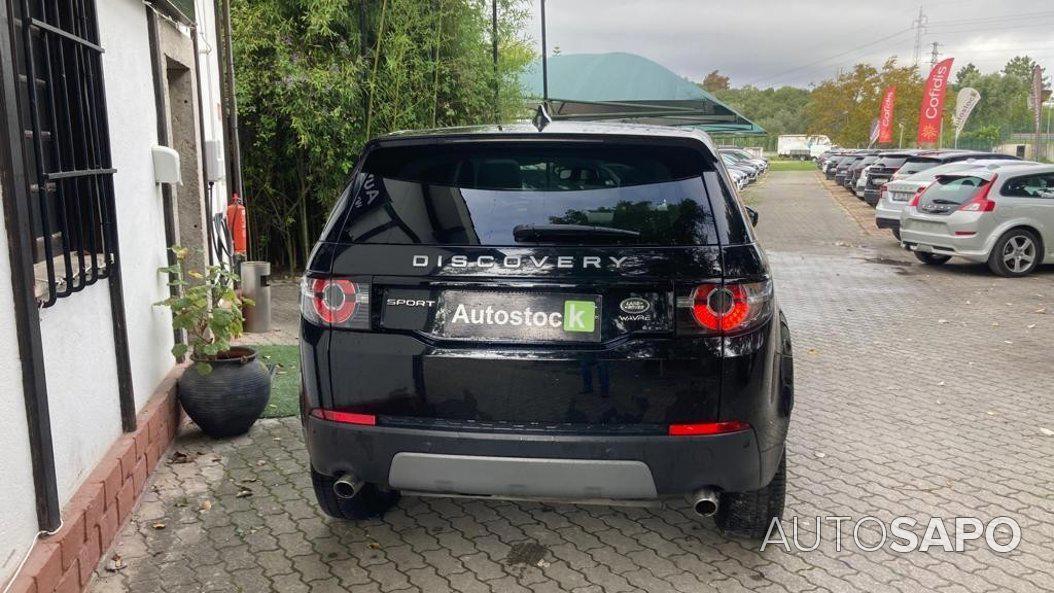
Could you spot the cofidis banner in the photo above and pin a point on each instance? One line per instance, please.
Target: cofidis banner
(885, 115)
(932, 109)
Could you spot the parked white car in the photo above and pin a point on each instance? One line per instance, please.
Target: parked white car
(802, 146)
(896, 194)
(739, 178)
(1003, 217)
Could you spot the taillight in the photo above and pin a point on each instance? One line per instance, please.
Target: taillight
(707, 428)
(729, 308)
(918, 196)
(344, 417)
(337, 302)
(882, 191)
(980, 202)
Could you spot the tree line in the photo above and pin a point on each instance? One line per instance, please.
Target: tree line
(316, 79)
(844, 106)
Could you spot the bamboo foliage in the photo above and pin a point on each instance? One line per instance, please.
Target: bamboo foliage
(317, 78)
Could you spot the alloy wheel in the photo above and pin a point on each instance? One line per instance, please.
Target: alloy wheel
(1019, 253)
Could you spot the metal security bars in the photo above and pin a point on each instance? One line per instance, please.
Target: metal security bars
(67, 150)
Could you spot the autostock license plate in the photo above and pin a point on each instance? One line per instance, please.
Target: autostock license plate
(518, 317)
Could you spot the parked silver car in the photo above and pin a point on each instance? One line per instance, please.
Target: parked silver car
(896, 194)
(742, 155)
(1004, 217)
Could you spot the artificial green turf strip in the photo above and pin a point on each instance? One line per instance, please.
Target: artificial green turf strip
(285, 383)
(792, 166)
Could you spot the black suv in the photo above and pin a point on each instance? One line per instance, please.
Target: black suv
(881, 172)
(580, 313)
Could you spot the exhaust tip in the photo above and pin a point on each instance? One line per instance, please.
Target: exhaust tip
(347, 486)
(705, 508)
(704, 502)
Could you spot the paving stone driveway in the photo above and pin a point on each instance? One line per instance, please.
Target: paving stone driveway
(920, 392)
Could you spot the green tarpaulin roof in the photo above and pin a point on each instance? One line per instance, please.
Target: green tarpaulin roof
(629, 87)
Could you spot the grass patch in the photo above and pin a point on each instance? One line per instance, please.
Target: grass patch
(285, 384)
(792, 166)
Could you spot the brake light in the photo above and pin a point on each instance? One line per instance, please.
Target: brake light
(980, 202)
(707, 428)
(336, 302)
(344, 417)
(729, 308)
(918, 196)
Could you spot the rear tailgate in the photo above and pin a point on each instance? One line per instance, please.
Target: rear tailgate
(472, 327)
(532, 347)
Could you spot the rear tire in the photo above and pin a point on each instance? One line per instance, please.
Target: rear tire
(370, 502)
(932, 259)
(749, 514)
(1017, 253)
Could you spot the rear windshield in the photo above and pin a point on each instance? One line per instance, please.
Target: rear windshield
(952, 190)
(523, 193)
(916, 165)
(891, 162)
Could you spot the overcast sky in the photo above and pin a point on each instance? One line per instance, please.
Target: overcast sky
(797, 42)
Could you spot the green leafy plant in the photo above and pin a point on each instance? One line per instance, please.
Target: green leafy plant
(207, 307)
(318, 78)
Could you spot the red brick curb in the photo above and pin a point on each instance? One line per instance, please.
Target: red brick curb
(64, 562)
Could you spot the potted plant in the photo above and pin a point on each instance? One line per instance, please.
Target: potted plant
(227, 388)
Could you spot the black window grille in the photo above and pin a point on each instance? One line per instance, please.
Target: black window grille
(67, 145)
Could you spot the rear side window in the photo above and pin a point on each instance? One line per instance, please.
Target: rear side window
(531, 193)
(892, 162)
(913, 166)
(1032, 186)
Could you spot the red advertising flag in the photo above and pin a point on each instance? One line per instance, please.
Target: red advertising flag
(932, 109)
(885, 115)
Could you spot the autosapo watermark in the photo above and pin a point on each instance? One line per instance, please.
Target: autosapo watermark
(869, 534)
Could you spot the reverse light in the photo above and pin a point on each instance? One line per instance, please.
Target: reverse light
(707, 428)
(344, 417)
(729, 308)
(980, 202)
(337, 302)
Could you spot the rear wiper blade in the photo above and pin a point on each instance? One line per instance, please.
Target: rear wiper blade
(531, 233)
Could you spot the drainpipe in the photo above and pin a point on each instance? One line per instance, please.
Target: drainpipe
(206, 183)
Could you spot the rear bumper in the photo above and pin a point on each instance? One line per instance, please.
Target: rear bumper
(937, 235)
(887, 223)
(872, 195)
(538, 465)
(887, 214)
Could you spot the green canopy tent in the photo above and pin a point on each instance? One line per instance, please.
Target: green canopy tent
(631, 88)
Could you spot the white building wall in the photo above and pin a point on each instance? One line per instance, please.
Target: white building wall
(18, 516)
(77, 331)
(81, 370)
(140, 212)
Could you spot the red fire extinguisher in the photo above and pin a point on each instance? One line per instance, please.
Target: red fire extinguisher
(237, 225)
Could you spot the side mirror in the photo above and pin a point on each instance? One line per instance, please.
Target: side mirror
(753, 214)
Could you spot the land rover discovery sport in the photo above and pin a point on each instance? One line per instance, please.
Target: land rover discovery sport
(580, 313)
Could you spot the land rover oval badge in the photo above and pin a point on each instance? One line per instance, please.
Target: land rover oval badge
(634, 305)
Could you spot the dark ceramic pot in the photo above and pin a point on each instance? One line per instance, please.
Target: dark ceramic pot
(227, 401)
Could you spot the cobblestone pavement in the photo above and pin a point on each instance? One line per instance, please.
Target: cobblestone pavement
(920, 392)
